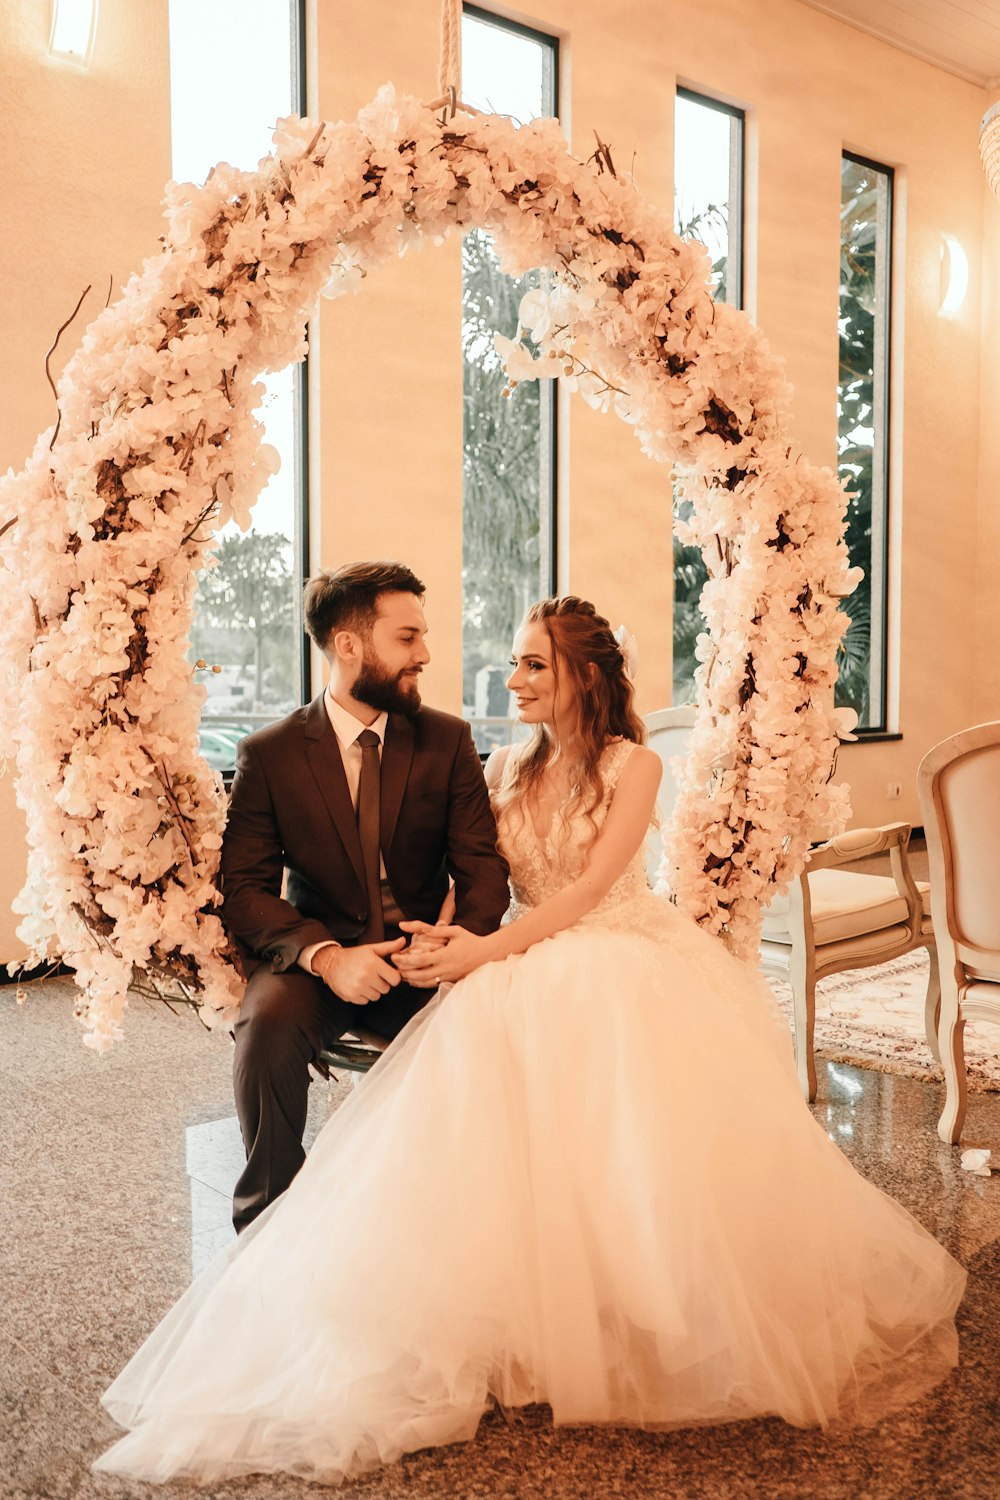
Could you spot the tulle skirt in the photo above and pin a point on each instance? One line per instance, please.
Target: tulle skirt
(585, 1177)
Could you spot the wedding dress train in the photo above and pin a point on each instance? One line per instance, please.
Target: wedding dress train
(584, 1176)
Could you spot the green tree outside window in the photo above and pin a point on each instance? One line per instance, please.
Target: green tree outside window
(861, 426)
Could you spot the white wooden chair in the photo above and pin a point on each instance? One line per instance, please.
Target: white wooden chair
(667, 732)
(834, 919)
(958, 783)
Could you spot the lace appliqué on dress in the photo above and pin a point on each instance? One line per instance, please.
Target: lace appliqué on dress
(540, 867)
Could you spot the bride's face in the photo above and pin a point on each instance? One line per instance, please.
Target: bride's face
(540, 698)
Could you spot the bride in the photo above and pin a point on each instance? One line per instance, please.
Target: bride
(583, 1175)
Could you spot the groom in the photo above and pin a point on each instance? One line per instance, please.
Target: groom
(346, 817)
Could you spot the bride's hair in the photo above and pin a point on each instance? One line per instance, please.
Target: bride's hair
(581, 639)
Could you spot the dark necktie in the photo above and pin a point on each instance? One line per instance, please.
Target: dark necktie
(369, 830)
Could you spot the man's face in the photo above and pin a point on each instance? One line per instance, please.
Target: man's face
(394, 656)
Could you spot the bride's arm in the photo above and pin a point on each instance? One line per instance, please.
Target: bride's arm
(624, 830)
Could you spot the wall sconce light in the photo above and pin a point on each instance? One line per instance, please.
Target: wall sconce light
(74, 23)
(954, 276)
(989, 146)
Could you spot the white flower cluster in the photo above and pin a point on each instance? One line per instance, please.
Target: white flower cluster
(629, 321)
(756, 786)
(102, 533)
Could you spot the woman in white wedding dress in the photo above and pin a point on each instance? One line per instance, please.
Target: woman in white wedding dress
(583, 1175)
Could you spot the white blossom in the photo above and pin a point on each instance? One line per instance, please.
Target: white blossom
(104, 529)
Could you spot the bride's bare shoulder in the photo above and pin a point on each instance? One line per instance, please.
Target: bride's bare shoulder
(620, 752)
(494, 768)
(630, 764)
(642, 756)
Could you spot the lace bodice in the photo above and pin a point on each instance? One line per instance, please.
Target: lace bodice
(539, 867)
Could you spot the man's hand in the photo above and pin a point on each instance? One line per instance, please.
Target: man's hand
(358, 975)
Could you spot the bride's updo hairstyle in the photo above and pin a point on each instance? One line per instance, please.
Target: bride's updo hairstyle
(585, 652)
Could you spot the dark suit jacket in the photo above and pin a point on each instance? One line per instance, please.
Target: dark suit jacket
(291, 810)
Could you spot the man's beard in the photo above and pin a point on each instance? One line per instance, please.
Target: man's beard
(393, 694)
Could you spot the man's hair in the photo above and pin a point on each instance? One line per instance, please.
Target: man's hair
(347, 598)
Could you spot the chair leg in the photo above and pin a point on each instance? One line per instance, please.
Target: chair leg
(803, 984)
(932, 1005)
(951, 1031)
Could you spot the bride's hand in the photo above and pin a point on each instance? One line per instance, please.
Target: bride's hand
(425, 942)
(428, 967)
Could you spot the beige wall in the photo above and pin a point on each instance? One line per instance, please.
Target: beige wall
(811, 87)
(87, 153)
(981, 563)
(85, 156)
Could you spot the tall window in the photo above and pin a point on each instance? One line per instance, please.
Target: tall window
(863, 429)
(246, 619)
(708, 206)
(508, 470)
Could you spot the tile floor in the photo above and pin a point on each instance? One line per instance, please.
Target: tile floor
(116, 1174)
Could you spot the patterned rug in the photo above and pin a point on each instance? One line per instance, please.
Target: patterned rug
(875, 1019)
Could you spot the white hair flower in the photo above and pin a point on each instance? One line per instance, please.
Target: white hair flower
(629, 648)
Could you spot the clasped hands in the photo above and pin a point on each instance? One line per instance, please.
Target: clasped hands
(437, 953)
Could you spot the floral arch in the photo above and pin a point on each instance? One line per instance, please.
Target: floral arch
(102, 533)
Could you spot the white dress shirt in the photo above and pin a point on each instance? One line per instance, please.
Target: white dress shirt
(347, 728)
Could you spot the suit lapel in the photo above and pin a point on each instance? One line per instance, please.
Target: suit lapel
(327, 766)
(397, 757)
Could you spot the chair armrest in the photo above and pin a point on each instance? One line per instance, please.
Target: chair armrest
(865, 843)
(857, 844)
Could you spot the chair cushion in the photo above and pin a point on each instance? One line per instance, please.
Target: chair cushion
(845, 904)
(977, 976)
(868, 949)
(981, 1000)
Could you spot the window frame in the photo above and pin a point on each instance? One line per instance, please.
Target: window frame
(881, 396)
(549, 390)
(300, 381)
(299, 455)
(736, 253)
(518, 28)
(737, 179)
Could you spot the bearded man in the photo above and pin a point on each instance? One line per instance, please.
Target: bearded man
(346, 818)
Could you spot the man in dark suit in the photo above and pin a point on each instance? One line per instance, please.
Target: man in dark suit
(346, 818)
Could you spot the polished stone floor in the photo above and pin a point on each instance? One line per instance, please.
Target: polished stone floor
(116, 1174)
